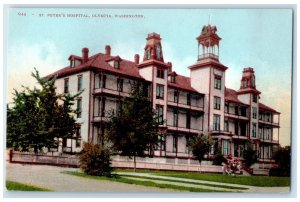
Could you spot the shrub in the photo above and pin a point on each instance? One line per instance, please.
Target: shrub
(279, 172)
(95, 160)
(219, 158)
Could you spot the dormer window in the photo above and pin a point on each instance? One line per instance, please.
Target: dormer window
(172, 79)
(72, 63)
(116, 64)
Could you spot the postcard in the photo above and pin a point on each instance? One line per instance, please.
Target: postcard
(149, 100)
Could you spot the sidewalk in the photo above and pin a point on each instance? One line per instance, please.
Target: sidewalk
(185, 182)
(50, 177)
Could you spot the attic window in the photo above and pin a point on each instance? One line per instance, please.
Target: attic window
(72, 63)
(116, 64)
(172, 79)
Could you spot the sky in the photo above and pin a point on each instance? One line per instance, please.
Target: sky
(257, 38)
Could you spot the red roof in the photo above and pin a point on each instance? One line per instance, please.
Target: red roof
(183, 83)
(98, 61)
(231, 96)
(267, 108)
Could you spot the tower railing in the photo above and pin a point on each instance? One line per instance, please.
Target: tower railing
(208, 55)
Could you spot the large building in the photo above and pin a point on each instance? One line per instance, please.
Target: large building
(186, 106)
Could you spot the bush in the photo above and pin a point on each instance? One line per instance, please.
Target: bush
(279, 172)
(219, 158)
(95, 160)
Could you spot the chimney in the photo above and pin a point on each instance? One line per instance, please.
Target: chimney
(85, 55)
(170, 66)
(107, 50)
(136, 58)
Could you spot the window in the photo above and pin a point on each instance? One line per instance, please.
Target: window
(148, 54)
(66, 86)
(79, 107)
(254, 98)
(188, 119)
(254, 112)
(175, 143)
(267, 152)
(254, 130)
(225, 147)
(216, 122)
(175, 118)
(176, 92)
(78, 137)
(72, 63)
(267, 136)
(158, 52)
(253, 81)
(236, 128)
(226, 108)
(172, 79)
(259, 132)
(188, 99)
(217, 83)
(160, 114)
(217, 103)
(162, 142)
(116, 64)
(103, 107)
(226, 126)
(97, 106)
(79, 83)
(245, 83)
(104, 81)
(160, 73)
(120, 84)
(189, 139)
(236, 110)
(159, 91)
(98, 83)
(243, 111)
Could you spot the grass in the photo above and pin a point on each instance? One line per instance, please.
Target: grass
(16, 186)
(117, 178)
(196, 183)
(260, 181)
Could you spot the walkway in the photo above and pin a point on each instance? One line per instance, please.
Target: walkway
(210, 184)
(50, 177)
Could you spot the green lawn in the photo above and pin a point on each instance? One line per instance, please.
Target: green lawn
(16, 186)
(117, 178)
(261, 181)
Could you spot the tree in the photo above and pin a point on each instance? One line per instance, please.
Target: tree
(37, 117)
(133, 128)
(249, 154)
(95, 160)
(200, 146)
(283, 158)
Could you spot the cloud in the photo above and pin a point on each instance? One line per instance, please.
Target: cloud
(22, 59)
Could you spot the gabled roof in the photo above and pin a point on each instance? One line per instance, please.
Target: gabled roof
(183, 83)
(232, 96)
(98, 62)
(267, 108)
